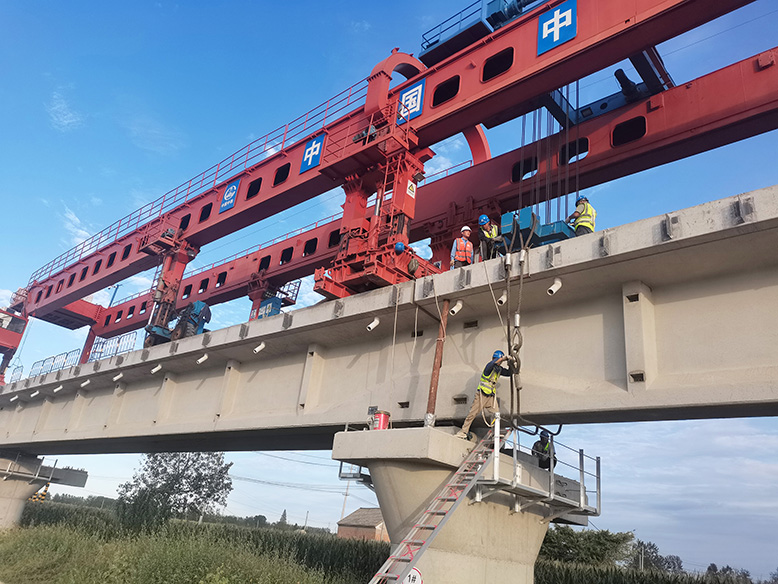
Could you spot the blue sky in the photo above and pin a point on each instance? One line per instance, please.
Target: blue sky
(105, 106)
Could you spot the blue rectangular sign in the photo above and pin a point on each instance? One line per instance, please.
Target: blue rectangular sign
(557, 26)
(312, 153)
(411, 102)
(229, 196)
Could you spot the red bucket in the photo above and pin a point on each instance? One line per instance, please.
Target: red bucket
(379, 421)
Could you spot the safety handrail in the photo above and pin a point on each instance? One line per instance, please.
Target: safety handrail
(256, 248)
(252, 153)
(433, 36)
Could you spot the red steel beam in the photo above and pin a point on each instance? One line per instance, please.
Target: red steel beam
(608, 30)
(679, 122)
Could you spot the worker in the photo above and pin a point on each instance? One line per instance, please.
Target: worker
(485, 395)
(543, 451)
(489, 236)
(462, 250)
(583, 217)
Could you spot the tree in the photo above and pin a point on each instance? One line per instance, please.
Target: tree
(602, 548)
(174, 483)
(673, 564)
(646, 556)
(729, 575)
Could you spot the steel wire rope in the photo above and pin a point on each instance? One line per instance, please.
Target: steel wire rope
(394, 342)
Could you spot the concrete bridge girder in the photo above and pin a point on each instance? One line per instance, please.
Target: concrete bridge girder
(669, 317)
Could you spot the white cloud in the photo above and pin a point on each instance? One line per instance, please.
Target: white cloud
(360, 26)
(61, 115)
(451, 145)
(142, 197)
(75, 227)
(154, 136)
(5, 298)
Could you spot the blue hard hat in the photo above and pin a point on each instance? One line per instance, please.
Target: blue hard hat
(498, 355)
(543, 434)
(483, 220)
(399, 247)
(581, 198)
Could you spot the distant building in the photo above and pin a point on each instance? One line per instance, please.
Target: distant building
(364, 523)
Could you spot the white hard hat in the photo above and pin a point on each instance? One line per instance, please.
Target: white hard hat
(465, 228)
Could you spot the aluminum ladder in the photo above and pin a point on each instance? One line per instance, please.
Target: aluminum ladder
(431, 521)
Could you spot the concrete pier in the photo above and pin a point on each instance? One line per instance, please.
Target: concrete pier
(482, 541)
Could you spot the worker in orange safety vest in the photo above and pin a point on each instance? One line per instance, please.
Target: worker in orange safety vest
(462, 250)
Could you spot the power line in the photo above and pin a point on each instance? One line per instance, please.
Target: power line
(297, 461)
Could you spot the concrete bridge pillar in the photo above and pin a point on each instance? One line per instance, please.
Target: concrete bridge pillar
(20, 479)
(496, 539)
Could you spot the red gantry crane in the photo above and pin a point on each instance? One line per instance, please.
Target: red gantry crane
(491, 63)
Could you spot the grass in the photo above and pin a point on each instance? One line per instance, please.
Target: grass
(68, 555)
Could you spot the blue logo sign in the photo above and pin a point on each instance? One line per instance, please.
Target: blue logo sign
(229, 196)
(268, 307)
(557, 26)
(312, 153)
(411, 102)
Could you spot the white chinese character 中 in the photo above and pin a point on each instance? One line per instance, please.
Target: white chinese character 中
(312, 151)
(559, 21)
(411, 101)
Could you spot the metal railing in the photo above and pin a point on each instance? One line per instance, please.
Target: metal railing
(249, 155)
(445, 172)
(267, 244)
(55, 363)
(104, 348)
(566, 458)
(16, 374)
(42, 472)
(452, 26)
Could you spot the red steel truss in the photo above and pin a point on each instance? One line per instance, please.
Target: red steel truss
(672, 125)
(491, 81)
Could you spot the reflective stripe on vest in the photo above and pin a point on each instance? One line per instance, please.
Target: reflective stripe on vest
(491, 234)
(463, 251)
(489, 382)
(586, 219)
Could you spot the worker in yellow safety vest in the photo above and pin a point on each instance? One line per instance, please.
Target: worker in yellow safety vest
(462, 250)
(583, 217)
(490, 237)
(486, 393)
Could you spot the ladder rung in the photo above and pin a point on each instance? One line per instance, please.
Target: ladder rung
(435, 512)
(425, 526)
(447, 498)
(416, 542)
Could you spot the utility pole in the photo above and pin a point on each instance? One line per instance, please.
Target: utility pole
(306, 519)
(345, 497)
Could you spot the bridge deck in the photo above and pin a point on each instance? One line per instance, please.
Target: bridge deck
(666, 318)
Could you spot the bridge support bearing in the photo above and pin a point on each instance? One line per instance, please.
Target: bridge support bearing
(481, 542)
(17, 485)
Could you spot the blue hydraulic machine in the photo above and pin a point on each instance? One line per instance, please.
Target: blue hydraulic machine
(525, 227)
(190, 321)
